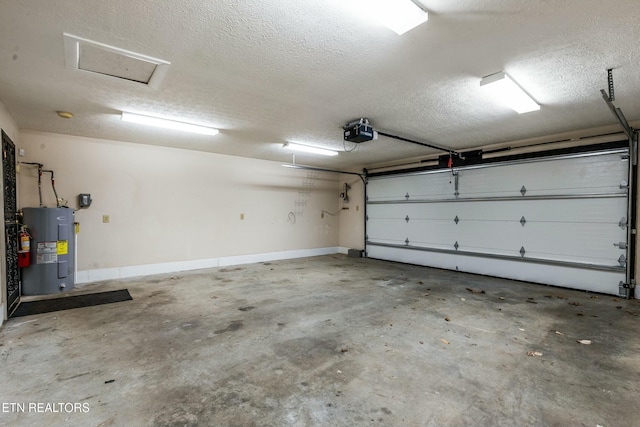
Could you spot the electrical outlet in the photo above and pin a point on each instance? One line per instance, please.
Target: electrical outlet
(105, 219)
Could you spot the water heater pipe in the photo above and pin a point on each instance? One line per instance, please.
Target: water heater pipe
(40, 166)
(53, 185)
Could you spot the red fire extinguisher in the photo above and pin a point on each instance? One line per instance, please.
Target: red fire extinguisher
(24, 249)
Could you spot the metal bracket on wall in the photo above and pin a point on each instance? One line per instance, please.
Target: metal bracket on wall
(617, 112)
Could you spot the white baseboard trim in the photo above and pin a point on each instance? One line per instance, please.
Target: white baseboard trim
(343, 250)
(89, 276)
(3, 314)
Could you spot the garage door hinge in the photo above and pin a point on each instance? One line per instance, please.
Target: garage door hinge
(622, 261)
(624, 289)
(522, 252)
(523, 221)
(456, 219)
(406, 196)
(621, 245)
(623, 223)
(624, 185)
(407, 218)
(523, 190)
(406, 242)
(456, 245)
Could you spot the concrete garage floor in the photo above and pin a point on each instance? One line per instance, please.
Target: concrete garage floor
(328, 341)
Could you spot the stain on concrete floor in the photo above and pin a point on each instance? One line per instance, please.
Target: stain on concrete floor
(328, 341)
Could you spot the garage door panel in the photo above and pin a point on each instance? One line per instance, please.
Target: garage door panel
(417, 231)
(484, 253)
(548, 229)
(581, 175)
(550, 242)
(575, 278)
(438, 187)
(604, 209)
(601, 210)
(596, 240)
(573, 212)
(565, 240)
(584, 175)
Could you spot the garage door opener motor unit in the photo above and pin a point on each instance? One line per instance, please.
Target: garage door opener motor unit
(359, 131)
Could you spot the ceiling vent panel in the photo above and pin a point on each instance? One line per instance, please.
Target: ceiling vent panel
(90, 56)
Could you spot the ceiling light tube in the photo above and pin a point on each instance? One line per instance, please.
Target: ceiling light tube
(309, 149)
(509, 92)
(397, 15)
(167, 124)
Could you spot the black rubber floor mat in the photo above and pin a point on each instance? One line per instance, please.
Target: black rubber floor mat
(67, 303)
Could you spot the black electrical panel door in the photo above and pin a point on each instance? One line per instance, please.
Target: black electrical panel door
(10, 222)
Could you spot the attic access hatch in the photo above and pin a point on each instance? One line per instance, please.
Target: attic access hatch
(94, 57)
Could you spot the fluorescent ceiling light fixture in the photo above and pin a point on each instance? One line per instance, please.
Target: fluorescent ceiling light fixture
(509, 92)
(397, 15)
(309, 149)
(167, 124)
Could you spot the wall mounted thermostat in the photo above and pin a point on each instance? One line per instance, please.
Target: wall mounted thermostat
(84, 200)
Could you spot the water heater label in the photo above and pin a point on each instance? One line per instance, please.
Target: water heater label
(47, 252)
(63, 247)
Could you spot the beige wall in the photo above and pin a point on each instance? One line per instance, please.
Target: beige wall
(9, 126)
(170, 205)
(352, 220)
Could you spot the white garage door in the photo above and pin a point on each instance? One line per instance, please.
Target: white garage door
(557, 220)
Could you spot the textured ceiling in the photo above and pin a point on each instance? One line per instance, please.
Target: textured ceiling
(270, 71)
